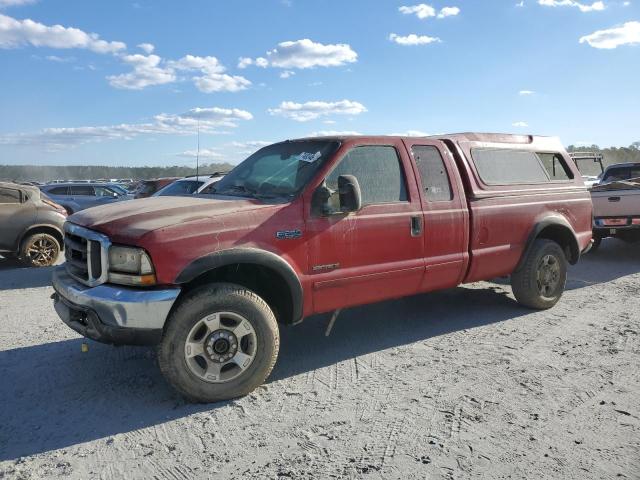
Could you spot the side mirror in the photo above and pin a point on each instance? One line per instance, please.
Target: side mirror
(349, 198)
(350, 193)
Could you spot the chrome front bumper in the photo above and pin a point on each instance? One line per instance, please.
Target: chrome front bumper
(111, 311)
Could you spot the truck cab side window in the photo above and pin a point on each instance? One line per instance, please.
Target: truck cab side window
(9, 195)
(433, 173)
(379, 174)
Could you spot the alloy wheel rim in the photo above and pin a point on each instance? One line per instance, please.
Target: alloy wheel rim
(220, 347)
(42, 252)
(548, 275)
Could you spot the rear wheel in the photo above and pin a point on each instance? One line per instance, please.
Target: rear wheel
(540, 281)
(220, 342)
(40, 250)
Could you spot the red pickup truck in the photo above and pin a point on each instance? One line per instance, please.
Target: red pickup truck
(316, 225)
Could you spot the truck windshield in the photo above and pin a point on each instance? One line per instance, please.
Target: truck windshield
(280, 170)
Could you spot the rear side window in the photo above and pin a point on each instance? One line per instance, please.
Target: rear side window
(378, 171)
(500, 167)
(58, 191)
(433, 174)
(9, 195)
(555, 166)
(82, 190)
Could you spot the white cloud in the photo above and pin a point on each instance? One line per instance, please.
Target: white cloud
(304, 54)
(627, 34)
(213, 78)
(595, 6)
(152, 70)
(520, 3)
(205, 153)
(18, 33)
(146, 72)
(448, 12)
(216, 82)
(211, 121)
(411, 133)
(303, 112)
(334, 133)
(524, 93)
(423, 11)
(15, 3)
(57, 59)
(147, 48)
(520, 124)
(413, 39)
(287, 74)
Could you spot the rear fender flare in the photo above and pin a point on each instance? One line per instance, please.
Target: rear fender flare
(562, 226)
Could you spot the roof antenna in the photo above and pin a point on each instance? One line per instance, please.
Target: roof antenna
(198, 151)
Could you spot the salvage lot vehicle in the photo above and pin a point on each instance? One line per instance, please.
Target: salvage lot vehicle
(191, 185)
(78, 196)
(616, 211)
(312, 226)
(146, 188)
(30, 225)
(620, 171)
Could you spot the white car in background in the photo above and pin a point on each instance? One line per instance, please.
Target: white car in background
(191, 185)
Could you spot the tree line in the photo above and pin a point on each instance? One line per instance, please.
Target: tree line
(38, 173)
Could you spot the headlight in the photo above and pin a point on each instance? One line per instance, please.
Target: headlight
(130, 266)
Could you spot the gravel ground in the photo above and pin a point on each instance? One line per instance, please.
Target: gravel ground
(456, 384)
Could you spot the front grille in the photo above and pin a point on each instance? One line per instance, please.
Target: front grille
(86, 254)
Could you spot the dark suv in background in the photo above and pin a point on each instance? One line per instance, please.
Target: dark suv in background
(30, 225)
(78, 196)
(147, 188)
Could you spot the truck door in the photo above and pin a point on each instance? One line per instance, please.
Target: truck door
(376, 253)
(446, 217)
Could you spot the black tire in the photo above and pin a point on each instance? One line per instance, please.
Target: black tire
(40, 250)
(540, 282)
(198, 304)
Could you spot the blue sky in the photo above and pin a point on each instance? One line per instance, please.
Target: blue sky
(127, 82)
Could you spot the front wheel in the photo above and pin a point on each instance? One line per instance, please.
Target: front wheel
(221, 342)
(540, 282)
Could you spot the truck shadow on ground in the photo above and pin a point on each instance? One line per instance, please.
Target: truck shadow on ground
(14, 274)
(55, 396)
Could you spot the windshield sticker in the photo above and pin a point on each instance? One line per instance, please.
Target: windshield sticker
(309, 157)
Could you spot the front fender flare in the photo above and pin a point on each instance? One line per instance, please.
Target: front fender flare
(254, 256)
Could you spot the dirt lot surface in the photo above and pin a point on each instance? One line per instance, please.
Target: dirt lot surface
(456, 384)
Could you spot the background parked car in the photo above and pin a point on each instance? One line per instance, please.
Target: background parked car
(78, 196)
(146, 188)
(190, 185)
(30, 225)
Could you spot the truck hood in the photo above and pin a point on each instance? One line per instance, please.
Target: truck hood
(134, 218)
